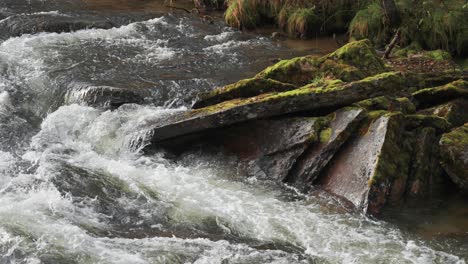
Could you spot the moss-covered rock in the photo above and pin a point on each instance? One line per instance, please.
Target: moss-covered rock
(354, 61)
(371, 170)
(454, 155)
(432, 96)
(308, 98)
(455, 112)
(426, 178)
(416, 121)
(242, 89)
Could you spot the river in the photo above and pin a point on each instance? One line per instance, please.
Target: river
(75, 187)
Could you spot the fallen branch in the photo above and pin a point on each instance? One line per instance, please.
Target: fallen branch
(392, 44)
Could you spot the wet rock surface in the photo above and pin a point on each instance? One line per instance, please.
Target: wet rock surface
(379, 153)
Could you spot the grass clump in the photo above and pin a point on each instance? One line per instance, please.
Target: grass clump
(299, 18)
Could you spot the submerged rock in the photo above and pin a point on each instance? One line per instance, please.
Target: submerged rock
(17, 25)
(454, 155)
(106, 97)
(372, 168)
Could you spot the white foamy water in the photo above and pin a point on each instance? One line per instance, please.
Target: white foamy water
(78, 190)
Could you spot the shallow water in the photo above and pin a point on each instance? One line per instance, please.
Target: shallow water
(74, 187)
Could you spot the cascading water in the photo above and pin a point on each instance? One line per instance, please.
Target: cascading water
(74, 187)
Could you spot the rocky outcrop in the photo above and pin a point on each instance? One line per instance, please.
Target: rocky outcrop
(343, 123)
(454, 151)
(106, 97)
(18, 25)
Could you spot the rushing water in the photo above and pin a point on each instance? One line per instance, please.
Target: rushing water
(75, 189)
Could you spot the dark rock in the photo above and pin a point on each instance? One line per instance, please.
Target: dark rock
(401, 104)
(433, 96)
(269, 147)
(311, 163)
(334, 96)
(416, 121)
(371, 169)
(426, 176)
(18, 25)
(455, 112)
(454, 155)
(106, 97)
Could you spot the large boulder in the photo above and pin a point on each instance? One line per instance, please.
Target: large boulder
(454, 155)
(326, 98)
(371, 169)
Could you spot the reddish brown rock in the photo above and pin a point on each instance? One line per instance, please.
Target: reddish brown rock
(371, 169)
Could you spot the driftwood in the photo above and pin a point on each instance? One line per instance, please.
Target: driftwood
(392, 44)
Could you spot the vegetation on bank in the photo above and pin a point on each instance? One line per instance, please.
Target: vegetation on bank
(423, 24)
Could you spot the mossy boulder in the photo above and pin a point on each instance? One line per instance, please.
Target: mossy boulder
(371, 170)
(354, 61)
(454, 155)
(307, 98)
(455, 112)
(417, 120)
(432, 96)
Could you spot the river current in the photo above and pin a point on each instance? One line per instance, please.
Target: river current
(75, 188)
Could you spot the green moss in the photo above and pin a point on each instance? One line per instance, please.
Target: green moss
(458, 136)
(351, 62)
(242, 89)
(325, 135)
(393, 162)
(417, 120)
(431, 96)
(438, 55)
(361, 55)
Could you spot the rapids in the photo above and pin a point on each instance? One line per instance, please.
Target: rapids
(75, 187)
